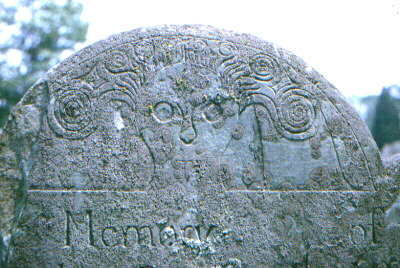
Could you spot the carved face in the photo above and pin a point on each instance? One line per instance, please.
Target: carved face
(188, 101)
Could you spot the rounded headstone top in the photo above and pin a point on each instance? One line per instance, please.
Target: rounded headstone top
(188, 145)
(159, 69)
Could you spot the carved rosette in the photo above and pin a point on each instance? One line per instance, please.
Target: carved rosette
(295, 113)
(263, 67)
(292, 110)
(254, 79)
(173, 125)
(117, 61)
(70, 112)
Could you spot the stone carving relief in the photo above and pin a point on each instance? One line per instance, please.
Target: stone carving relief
(189, 86)
(173, 148)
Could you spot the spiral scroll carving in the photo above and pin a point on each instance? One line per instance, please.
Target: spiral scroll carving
(70, 112)
(254, 78)
(295, 113)
(262, 67)
(118, 61)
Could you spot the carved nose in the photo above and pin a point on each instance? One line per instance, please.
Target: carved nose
(188, 135)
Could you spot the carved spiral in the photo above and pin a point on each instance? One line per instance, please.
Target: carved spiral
(118, 60)
(70, 112)
(263, 67)
(226, 49)
(296, 114)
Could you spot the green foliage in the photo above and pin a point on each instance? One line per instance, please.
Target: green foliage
(38, 33)
(386, 123)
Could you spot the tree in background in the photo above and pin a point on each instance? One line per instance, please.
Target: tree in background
(386, 123)
(34, 35)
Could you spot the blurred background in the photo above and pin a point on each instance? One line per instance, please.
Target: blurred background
(354, 44)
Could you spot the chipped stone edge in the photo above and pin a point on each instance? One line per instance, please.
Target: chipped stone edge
(18, 149)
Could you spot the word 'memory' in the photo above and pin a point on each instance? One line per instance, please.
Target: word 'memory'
(81, 230)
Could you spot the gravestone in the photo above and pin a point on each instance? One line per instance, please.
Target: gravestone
(190, 146)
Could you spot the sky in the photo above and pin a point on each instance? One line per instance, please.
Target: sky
(355, 44)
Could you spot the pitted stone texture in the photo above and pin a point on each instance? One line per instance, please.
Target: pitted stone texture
(189, 146)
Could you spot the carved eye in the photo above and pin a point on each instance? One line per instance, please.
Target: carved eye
(213, 112)
(163, 111)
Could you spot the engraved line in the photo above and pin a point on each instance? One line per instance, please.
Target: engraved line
(167, 36)
(231, 191)
(260, 133)
(261, 48)
(227, 59)
(355, 136)
(226, 147)
(336, 152)
(150, 152)
(352, 131)
(342, 114)
(82, 191)
(301, 191)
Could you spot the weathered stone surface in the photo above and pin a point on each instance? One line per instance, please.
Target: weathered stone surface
(189, 146)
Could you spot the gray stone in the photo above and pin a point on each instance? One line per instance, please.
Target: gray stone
(389, 150)
(190, 146)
